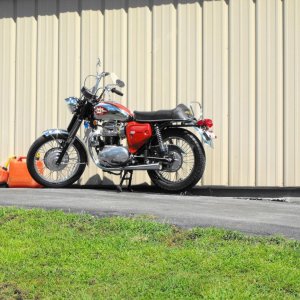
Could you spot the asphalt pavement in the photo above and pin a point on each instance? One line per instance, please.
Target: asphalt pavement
(253, 216)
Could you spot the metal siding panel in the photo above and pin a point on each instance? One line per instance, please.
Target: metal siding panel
(215, 87)
(164, 55)
(26, 60)
(115, 42)
(269, 130)
(7, 79)
(139, 63)
(69, 57)
(173, 47)
(242, 93)
(291, 93)
(115, 51)
(92, 46)
(47, 65)
(189, 56)
(139, 55)
(92, 33)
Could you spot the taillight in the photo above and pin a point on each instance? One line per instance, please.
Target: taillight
(205, 123)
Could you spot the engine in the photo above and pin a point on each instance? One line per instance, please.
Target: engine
(106, 142)
(111, 156)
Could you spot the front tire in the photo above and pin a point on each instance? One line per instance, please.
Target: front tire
(181, 177)
(42, 156)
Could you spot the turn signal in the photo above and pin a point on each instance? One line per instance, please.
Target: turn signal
(205, 123)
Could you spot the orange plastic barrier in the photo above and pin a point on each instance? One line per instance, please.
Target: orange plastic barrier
(19, 175)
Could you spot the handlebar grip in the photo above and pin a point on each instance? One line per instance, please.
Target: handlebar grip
(117, 92)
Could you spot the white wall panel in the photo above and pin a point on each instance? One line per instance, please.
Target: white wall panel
(139, 82)
(239, 58)
(291, 93)
(92, 47)
(163, 55)
(115, 50)
(189, 56)
(7, 79)
(47, 65)
(69, 57)
(139, 55)
(269, 93)
(215, 87)
(26, 63)
(115, 41)
(242, 93)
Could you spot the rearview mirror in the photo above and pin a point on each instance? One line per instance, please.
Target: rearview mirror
(120, 83)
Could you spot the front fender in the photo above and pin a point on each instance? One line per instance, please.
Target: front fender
(55, 132)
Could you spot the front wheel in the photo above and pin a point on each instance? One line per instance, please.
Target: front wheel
(42, 157)
(188, 163)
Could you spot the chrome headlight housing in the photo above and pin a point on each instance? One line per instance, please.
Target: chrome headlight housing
(72, 103)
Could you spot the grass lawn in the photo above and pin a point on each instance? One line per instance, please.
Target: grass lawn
(53, 255)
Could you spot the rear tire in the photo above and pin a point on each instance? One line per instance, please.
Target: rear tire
(197, 170)
(35, 163)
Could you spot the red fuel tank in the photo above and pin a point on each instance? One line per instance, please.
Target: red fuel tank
(111, 111)
(137, 135)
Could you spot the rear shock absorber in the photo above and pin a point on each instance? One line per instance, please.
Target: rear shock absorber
(160, 139)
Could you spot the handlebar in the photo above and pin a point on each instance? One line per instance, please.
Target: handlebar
(114, 90)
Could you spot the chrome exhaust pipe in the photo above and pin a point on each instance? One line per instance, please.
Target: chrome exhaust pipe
(156, 166)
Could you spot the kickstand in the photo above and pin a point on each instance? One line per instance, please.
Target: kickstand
(123, 178)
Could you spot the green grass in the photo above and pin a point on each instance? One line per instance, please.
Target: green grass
(53, 255)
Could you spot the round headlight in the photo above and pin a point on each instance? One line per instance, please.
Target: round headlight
(72, 103)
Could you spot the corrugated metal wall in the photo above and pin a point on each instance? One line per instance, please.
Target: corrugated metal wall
(239, 58)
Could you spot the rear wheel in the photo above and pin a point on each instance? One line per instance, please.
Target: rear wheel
(188, 163)
(42, 157)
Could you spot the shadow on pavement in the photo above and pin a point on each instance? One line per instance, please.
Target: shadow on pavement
(215, 191)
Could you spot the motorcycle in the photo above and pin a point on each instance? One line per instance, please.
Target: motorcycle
(158, 142)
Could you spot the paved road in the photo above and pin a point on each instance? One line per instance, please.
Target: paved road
(258, 217)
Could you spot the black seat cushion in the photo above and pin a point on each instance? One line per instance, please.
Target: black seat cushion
(180, 113)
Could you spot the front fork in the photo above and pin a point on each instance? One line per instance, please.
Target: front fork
(72, 130)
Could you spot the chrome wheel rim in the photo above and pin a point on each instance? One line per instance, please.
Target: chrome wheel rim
(186, 165)
(45, 159)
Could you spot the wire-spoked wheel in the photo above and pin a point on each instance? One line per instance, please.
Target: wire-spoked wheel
(42, 158)
(188, 162)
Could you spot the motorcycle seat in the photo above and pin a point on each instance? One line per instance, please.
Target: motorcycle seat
(180, 113)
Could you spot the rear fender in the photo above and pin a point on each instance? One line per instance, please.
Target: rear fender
(55, 132)
(191, 133)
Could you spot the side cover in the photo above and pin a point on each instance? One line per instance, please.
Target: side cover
(137, 135)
